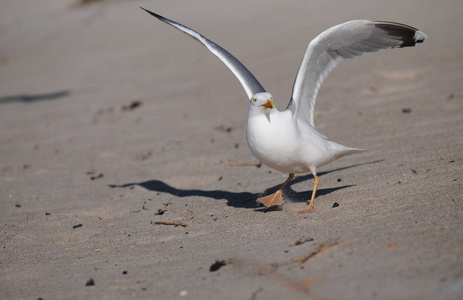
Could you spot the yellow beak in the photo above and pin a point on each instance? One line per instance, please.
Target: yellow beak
(269, 104)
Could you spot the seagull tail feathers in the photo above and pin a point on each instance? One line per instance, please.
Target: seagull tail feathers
(340, 150)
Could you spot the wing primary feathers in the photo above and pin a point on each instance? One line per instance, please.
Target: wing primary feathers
(250, 84)
(155, 15)
(344, 41)
(410, 36)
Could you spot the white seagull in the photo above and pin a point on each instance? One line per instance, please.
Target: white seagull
(287, 140)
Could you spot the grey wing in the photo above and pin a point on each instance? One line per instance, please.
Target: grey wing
(344, 41)
(247, 80)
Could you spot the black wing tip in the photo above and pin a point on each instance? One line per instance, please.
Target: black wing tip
(154, 14)
(408, 35)
(395, 24)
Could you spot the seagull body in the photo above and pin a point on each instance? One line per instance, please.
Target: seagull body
(309, 150)
(279, 141)
(287, 140)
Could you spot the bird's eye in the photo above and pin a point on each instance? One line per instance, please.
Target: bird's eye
(254, 100)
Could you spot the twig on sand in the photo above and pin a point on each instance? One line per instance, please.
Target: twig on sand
(232, 163)
(321, 248)
(300, 242)
(302, 286)
(186, 216)
(170, 223)
(254, 295)
(439, 155)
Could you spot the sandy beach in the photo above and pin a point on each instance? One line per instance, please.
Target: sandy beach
(114, 125)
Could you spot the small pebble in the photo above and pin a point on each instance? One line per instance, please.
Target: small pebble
(406, 110)
(131, 106)
(90, 282)
(217, 265)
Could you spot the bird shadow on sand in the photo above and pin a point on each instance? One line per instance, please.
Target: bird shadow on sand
(35, 97)
(242, 199)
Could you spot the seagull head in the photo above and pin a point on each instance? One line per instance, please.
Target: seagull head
(262, 101)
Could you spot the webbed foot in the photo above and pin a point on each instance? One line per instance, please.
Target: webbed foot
(272, 200)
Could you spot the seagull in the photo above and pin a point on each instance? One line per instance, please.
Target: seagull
(287, 140)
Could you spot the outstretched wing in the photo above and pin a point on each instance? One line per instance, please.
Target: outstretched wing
(344, 41)
(247, 80)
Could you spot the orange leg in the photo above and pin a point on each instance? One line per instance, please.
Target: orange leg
(275, 198)
(311, 206)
